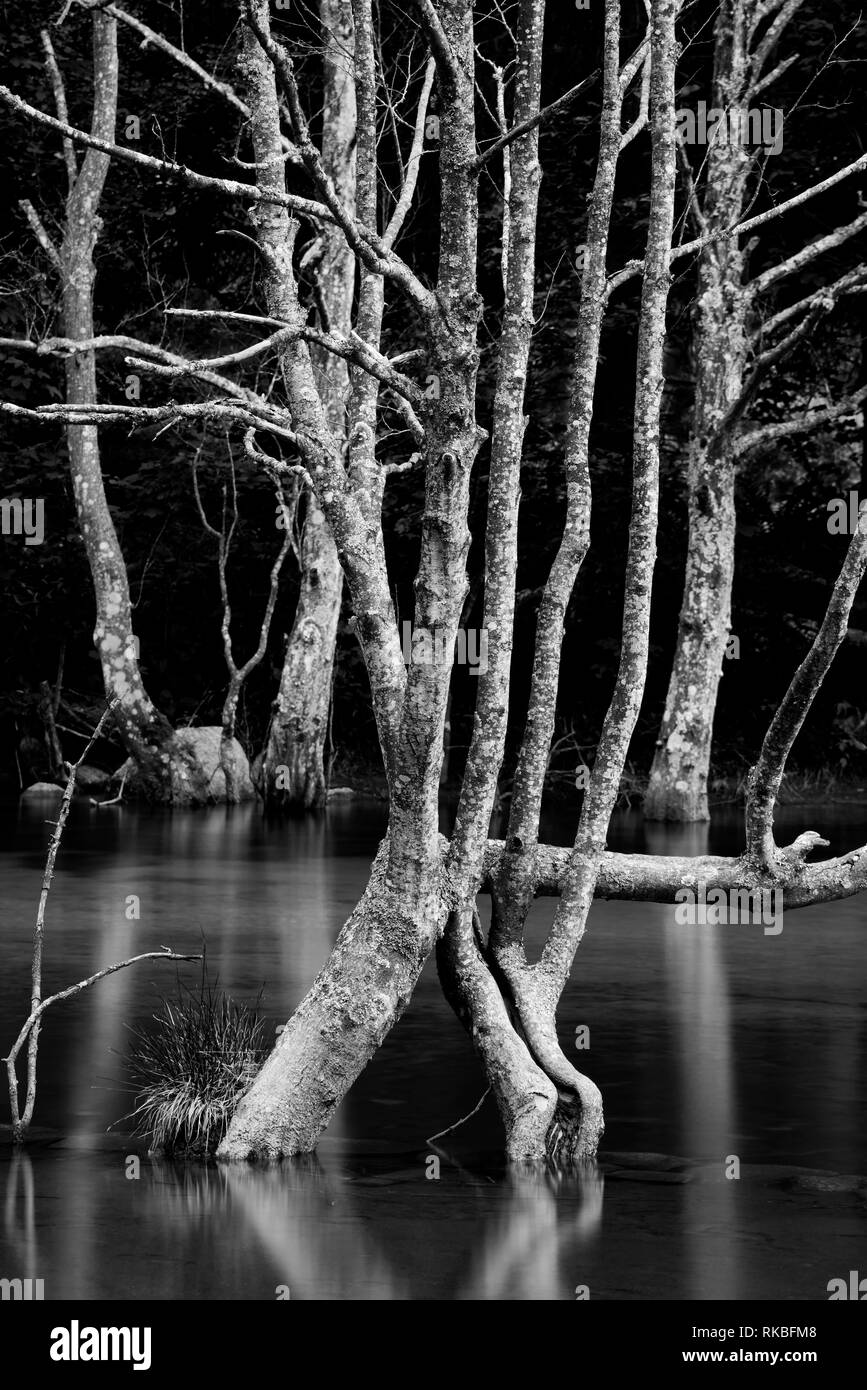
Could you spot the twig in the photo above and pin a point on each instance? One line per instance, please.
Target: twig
(458, 1123)
(115, 799)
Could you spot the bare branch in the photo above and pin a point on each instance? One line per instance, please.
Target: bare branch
(812, 420)
(173, 413)
(275, 466)
(766, 776)
(40, 233)
(817, 248)
(633, 268)
(228, 188)
(772, 76)
(770, 40)
(852, 283)
(60, 105)
(181, 366)
(375, 253)
(440, 46)
(524, 127)
(407, 193)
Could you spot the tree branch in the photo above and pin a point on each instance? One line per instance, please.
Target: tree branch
(633, 268)
(228, 188)
(60, 104)
(784, 429)
(364, 241)
(540, 118)
(807, 254)
(765, 778)
(852, 283)
(41, 234)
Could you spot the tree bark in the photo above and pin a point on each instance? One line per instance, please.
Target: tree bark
(293, 763)
(677, 789)
(382, 948)
(164, 769)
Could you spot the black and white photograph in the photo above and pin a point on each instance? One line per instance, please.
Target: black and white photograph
(433, 680)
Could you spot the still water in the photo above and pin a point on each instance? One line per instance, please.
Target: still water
(709, 1043)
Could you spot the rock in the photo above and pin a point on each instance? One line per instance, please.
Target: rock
(660, 1163)
(827, 1182)
(91, 779)
(197, 774)
(340, 793)
(204, 744)
(42, 791)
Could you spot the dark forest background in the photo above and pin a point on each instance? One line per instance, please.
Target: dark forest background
(161, 245)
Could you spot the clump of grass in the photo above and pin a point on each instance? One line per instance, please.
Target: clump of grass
(191, 1070)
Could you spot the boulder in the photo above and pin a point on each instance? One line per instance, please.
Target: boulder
(42, 791)
(92, 779)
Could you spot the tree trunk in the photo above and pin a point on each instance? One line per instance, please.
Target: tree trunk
(355, 1000)
(293, 763)
(380, 952)
(677, 789)
(146, 733)
(164, 767)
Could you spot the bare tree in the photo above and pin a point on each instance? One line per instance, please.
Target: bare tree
(238, 786)
(423, 888)
(739, 341)
(165, 765)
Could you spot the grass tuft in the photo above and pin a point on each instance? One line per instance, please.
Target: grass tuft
(191, 1070)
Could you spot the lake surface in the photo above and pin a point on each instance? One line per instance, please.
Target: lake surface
(709, 1043)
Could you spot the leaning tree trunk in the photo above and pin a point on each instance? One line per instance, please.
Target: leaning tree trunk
(369, 976)
(293, 763)
(677, 789)
(165, 766)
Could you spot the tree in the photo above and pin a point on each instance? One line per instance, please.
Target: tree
(165, 765)
(293, 768)
(738, 342)
(423, 888)
(238, 786)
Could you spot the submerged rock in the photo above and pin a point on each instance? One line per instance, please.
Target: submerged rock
(193, 761)
(42, 791)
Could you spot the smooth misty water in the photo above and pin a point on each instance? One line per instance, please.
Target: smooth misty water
(707, 1042)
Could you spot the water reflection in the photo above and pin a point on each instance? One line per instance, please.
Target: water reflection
(697, 989)
(706, 1042)
(537, 1244)
(19, 1216)
(306, 1229)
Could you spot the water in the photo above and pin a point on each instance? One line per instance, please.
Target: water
(708, 1043)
